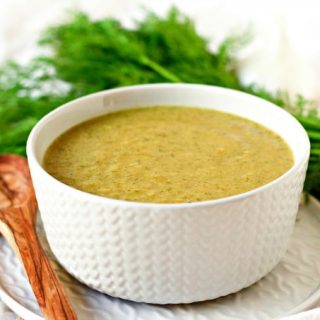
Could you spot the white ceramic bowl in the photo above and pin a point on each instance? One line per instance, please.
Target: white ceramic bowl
(169, 253)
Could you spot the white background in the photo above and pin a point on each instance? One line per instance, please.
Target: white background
(285, 52)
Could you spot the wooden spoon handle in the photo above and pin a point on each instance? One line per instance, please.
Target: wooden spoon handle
(44, 282)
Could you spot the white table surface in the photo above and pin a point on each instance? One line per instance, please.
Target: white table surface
(283, 55)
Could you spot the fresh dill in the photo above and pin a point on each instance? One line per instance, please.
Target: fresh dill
(88, 56)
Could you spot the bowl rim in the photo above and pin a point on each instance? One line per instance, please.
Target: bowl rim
(32, 159)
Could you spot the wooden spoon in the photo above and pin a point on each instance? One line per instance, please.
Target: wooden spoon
(18, 210)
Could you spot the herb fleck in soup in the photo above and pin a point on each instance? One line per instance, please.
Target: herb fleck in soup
(168, 155)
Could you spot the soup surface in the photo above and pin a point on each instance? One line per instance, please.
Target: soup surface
(168, 155)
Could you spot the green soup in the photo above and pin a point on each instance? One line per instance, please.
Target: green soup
(168, 155)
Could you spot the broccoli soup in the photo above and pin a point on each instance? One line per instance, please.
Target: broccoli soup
(168, 155)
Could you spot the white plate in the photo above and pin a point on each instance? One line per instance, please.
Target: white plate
(292, 286)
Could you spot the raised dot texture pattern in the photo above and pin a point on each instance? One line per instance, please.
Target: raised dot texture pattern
(292, 284)
(164, 254)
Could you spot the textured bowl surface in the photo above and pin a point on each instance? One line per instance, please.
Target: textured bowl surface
(166, 253)
(292, 286)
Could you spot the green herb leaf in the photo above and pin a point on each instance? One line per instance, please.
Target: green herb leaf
(88, 56)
